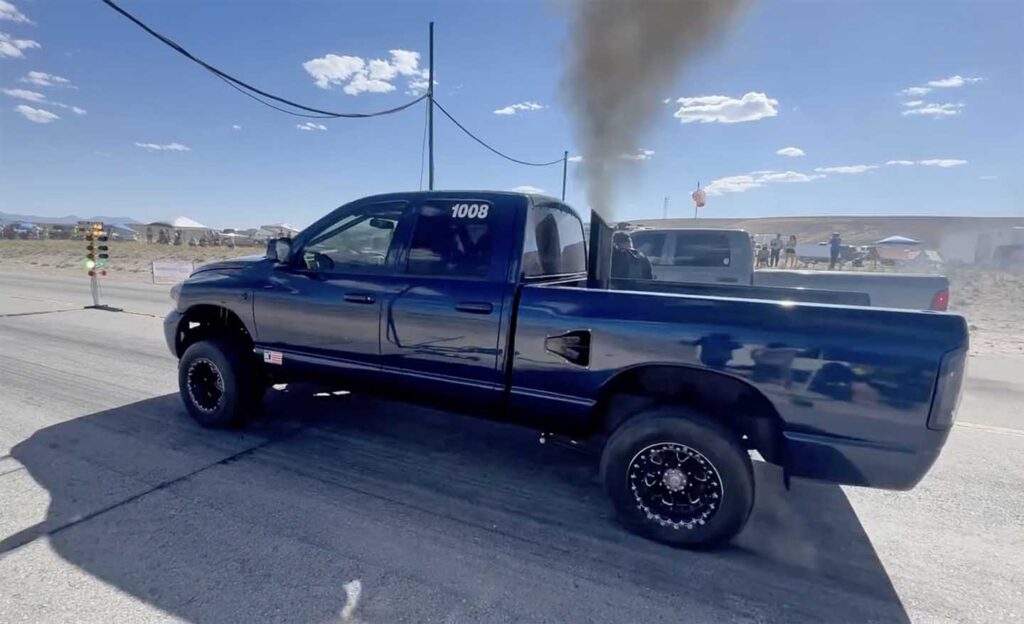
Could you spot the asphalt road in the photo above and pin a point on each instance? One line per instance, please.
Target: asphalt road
(115, 507)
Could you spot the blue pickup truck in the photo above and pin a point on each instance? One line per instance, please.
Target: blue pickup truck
(482, 302)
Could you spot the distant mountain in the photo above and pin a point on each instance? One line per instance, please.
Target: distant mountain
(68, 220)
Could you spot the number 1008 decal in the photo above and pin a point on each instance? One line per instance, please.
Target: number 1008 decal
(470, 211)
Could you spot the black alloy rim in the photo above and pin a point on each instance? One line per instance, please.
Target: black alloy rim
(675, 485)
(205, 384)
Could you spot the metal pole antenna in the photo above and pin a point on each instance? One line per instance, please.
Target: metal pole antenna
(565, 167)
(430, 109)
(664, 209)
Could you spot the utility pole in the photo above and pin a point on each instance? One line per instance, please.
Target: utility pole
(565, 167)
(664, 209)
(430, 107)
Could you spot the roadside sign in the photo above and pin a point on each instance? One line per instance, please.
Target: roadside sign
(171, 271)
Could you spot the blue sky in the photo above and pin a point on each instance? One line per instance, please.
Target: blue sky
(827, 78)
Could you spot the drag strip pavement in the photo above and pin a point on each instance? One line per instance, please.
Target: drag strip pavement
(343, 508)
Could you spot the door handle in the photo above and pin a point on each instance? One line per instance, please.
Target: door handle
(473, 307)
(359, 298)
(728, 280)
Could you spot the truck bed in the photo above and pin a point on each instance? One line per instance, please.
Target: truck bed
(886, 290)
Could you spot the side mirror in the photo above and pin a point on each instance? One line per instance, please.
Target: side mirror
(279, 250)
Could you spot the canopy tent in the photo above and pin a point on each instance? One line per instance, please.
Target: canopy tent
(897, 240)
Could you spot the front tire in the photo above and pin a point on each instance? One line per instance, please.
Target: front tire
(679, 477)
(219, 383)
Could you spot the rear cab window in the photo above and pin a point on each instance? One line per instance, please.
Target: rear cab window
(554, 242)
(701, 249)
(454, 238)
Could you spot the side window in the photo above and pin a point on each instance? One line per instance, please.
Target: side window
(452, 239)
(651, 244)
(359, 240)
(554, 242)
(701, 249)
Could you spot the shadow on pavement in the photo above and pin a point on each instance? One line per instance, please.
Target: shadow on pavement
(439, 517)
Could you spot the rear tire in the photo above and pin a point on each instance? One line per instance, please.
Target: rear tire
(219, 383)
(679, 477)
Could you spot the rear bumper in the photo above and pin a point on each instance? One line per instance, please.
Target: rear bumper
(171, 322)
(854, 462)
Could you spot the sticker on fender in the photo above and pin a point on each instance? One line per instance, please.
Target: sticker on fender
(273, 357)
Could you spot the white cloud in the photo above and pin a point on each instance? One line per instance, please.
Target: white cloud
(788, 176)
(988, 177)
(916, 91)
(358, 75)
(309, 126)
(846, 169)
(236, 127)
(931, 162)
(36, 115)
(333, 69)
(10, 12)
(12, 48)
(638, 155)
(418, 86)
(732, 184)
(942, 162)
(25, 94)
(913, 103)
(43, 79)
(576, 158)
(512, 109)
(938, 111)
(77, 111)
(792, 152)
(526, 188)
(953, 82)
(724, 109)
(756, 179)
(164, 147)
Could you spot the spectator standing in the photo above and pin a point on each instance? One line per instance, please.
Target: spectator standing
(627, 261)
(776, 249)
(835, 245)
(790, 259)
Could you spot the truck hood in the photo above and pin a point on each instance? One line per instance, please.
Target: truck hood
(244, 262)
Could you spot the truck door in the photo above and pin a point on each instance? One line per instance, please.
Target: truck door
(441, 330)
(324, 307)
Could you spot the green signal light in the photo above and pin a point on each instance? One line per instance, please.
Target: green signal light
(89, 264)
(101, 263)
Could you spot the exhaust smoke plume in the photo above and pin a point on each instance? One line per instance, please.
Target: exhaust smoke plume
(623, 55)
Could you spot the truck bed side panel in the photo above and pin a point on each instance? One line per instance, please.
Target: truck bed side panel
(835, 375)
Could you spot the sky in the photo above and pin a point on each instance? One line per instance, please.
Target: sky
(801, 108)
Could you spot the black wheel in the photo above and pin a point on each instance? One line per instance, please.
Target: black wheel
(679, 477)
(219, 383)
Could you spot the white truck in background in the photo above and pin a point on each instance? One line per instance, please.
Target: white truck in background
(726, 257)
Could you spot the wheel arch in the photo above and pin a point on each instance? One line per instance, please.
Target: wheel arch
(730, 400)
(203, 320)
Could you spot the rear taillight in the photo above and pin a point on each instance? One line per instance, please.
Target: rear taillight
(947, 390)
(940, 302)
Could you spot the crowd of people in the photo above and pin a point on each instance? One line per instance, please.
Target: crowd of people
(776, 253)
(779, 253)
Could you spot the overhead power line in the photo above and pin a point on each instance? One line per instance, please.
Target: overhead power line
(481, 142)
(247, 88)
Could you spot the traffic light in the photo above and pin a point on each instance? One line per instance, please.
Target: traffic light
(96, 249)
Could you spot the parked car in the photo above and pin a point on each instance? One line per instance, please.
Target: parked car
(483, 302)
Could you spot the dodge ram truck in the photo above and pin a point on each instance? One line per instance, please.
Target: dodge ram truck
(722, 257)
(492, 304)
